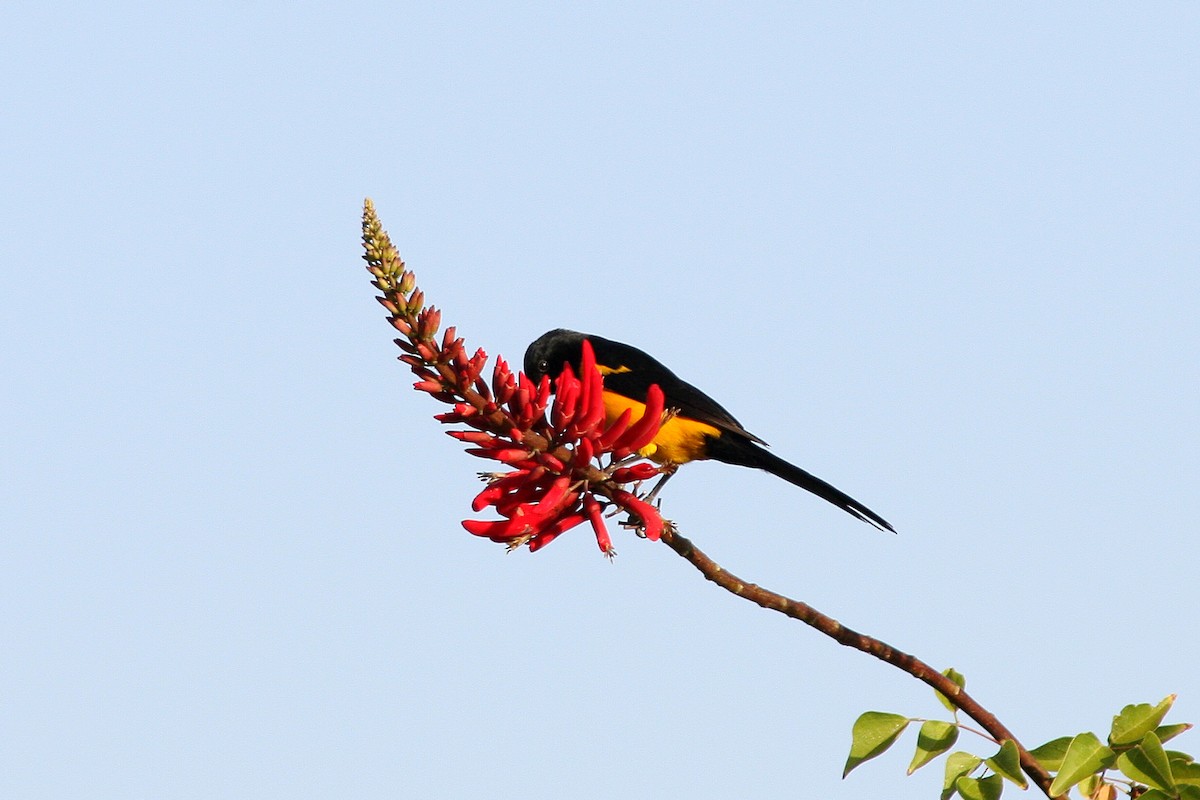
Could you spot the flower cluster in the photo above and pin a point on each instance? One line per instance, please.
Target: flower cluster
(566, 465)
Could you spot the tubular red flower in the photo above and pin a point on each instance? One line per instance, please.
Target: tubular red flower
(508, 455)
(552, 461)
(643, 471)
(428, 322)
(594, 410)
(652, 521)
(591, 386)
(481, 438)
(558, 494)
(456, 351)
(520, 501)
(595, 515)
(584, 452)
(424, 372)
(566, 399)
(479, 360)
(487, 497)
(519, 401)
(552, 532)
(429, 386)
(426, 351)
(492, 529)
(543, 391)
(615, 431)
(642, 432)
(503, 384)
(518, 477)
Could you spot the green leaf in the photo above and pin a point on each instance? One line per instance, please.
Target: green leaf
(1050, 755)
(1176, 757)
(957, 765)
(1155, 794)
(958, 679)
(1166, 733)
(874, 732)
(1147, 763)
(988, 788)
(1007, 763)
(1136, 721)
(1085, 756)
(1188, 791)
(934, 739)
(1088, 786)
(1185, 773)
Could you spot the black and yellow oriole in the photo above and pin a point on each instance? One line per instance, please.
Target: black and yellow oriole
(700, 429)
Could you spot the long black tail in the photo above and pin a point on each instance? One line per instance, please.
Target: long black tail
(743, 453)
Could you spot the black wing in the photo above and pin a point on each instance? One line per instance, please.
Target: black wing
(633, 371)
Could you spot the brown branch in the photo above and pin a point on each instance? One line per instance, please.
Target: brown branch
(845, 636)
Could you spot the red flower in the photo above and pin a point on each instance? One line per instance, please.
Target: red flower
(546, 494)
(566, 467)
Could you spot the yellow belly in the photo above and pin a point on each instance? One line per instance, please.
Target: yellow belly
(679, 440)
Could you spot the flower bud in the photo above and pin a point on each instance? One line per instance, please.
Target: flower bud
(430, 386)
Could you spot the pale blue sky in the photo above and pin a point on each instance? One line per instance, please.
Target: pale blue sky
(947, 258)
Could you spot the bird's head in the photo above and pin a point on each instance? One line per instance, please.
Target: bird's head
(550, 351)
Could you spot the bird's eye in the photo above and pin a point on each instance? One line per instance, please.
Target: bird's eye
(543, 367)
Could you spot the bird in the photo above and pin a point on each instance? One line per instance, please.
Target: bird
(700, 428)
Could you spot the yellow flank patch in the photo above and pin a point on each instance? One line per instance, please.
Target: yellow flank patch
(679, 440)
(612, 370)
